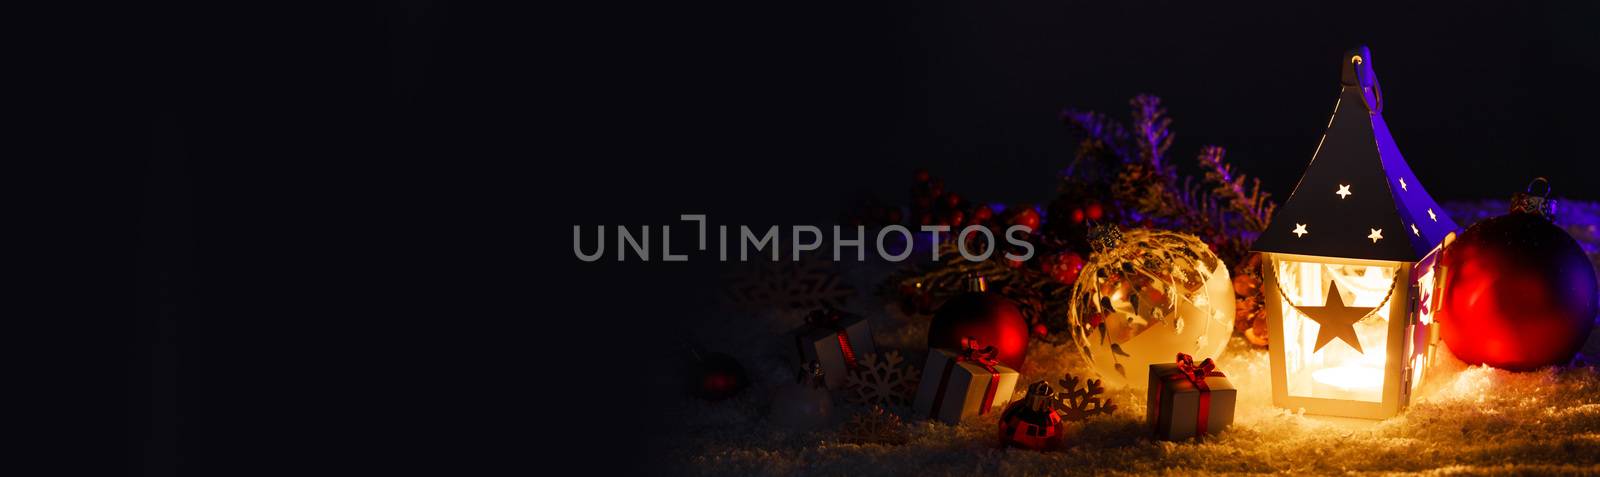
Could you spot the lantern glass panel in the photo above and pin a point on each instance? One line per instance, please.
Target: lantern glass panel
(1338, 370)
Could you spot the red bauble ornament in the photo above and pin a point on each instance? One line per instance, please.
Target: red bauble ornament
(1096, 212)
(1028, 217)
(715, 376)
(983, 214)
(1064, 267)
(1519, 293)
(1033, 422)
(992, 319)
(804, 405)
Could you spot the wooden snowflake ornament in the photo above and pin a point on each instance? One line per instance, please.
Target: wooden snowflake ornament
(809, 283)
(1077, 404)
(882, 379)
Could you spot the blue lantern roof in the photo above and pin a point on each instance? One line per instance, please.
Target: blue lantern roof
(1358, 198)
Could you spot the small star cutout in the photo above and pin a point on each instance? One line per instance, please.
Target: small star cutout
(1403, 184)
(1375, 235)
(1431, 216)
(1300, 230)
(1344, 191)
(1414, 230)
(1336, 320)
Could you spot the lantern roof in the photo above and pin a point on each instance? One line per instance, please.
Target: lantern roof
(1357, 198)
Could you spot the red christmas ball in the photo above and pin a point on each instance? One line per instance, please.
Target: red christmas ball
(1519, 294)
(715, 376)
(992, 319)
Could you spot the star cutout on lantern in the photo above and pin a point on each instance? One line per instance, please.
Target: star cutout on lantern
(1431, 216)
(1335, 320)
(1403, 184)
(1375, 235)
(1300, 230)
(1414, 230)
(1344, 191)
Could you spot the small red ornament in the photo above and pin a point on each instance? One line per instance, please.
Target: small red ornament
(983, 214)
(1064, 267)
(1519, 293)
(955, 218)
(715, 376)
(991, 318)
(1033, 422)
(804, 405)
(1040, 330)
(1077, 216)
(1096, 212)
(1026, 216)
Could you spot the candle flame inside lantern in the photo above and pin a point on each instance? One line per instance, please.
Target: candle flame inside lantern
(1350, 378)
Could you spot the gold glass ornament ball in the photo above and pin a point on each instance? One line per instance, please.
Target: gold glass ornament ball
(1146, 296)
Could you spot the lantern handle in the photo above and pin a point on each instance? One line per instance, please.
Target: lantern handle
(1538, 180)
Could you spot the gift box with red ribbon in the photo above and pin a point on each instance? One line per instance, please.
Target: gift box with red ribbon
(835, 339)
(1189, 399)
(964, 383)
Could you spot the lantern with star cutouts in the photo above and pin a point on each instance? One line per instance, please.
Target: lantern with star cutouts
(1348, 266)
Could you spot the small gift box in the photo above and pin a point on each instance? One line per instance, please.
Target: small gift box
(835, 340)
(960, 384)
(1188, 399)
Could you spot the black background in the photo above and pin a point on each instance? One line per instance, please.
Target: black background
(328, 237)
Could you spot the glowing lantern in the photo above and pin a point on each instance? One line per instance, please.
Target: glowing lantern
(1348, 266)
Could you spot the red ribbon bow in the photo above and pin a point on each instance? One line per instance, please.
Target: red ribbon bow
(1196, 374)
(830, 319)
(971, 352)
(986, 356)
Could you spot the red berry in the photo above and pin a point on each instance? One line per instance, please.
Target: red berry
(952, 199)
(983, 214)
(1077, 216)
(1095, 212)
(920, 176)
(957, 218)
(1040, 331)
(1028, 220)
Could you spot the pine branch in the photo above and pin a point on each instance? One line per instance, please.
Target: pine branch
(1152, 125)
(1100, 132)
(1251, 205)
